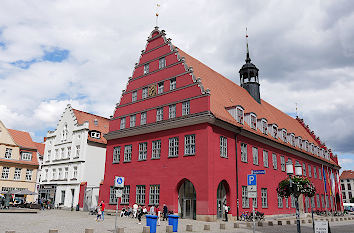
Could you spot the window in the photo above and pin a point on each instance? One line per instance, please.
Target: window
(239, 115)
(140, 194)
(223, 147)
(349, 187)
(112, 195)
(156, 149)
(134, 96)
(95, 135)
(49, 154)
(254, 202)
(75, 173)
(162, 63)
(255, 155)
(264, 198)
(142, 150)
(17, 174)
(327, 204)
(122, 123)
(245, 199)
(143, 118)
(54, 174)
(77, 154)
(128, 153)
(350, 195)
(29, 174)
(172, 84)
(287, 202)
(310, 173)
(146, 68)
(132, 120)
(26, 156)
(154, 195)
(264, 126)
(68, 152)
(172, 111)
(313, 205)
(60, 173)
(173, 147)
(253, 122)
(46, 174)
(284, 137)
(282, 163)
(185, 108)
(344, 196)
(280, 202)
(319, 174)
(159, 114)
(62, 153)
(160, 88)
(56, 154)
(323, 201)
(64, 135)
(275, 162)
(314, 172)
(8, 153)
(244, 152)
(292, 201)
(66, 173)
(5, 173)
(274, 131)
(125, 194)
(343, 187)
(116, 154)
(318, 201)
(144, 95)
(265, 158)
(304, 169)
(189, 144)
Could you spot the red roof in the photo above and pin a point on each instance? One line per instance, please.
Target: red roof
(40, 148)
(225, 94)
(347, 174)
(97, 123)
(23, 139)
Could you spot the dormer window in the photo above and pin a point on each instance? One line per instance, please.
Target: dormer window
(146, 68)
(284, 135)
(96, 135)
(321, 152)
(312, 148)
(299, 142)
(292, 139)
(307, 146)
(239, 115)
(274, 131)
(253, 121)
(263, 126)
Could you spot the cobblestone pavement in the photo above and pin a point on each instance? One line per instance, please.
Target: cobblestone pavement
(76, 222)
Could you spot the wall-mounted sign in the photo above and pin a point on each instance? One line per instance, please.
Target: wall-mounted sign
(152, 90)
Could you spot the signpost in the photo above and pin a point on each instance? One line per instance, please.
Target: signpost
(321, 227)
(252, 193)
(119, 184)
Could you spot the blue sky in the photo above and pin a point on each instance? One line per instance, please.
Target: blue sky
(82, 52)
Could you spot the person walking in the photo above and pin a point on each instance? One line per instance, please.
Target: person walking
(152, 210)
(102, 205)
(165, 210)
(158, 214)
(226, 210)
(99, 213)
(140, 214)
(135, 210)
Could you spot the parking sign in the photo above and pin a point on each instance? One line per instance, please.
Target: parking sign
(119, 182)
(251, 180)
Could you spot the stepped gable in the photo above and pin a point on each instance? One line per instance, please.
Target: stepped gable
(225, 94)
(102, 124)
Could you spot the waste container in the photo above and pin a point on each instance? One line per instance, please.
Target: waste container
(151, 221)
(173, 221)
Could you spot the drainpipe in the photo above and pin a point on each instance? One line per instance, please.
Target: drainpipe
(237, 204)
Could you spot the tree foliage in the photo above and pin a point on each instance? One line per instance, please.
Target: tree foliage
(300, 185)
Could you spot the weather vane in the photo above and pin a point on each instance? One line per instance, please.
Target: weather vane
(157, 13)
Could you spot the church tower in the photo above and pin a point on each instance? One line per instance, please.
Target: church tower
(249, 77)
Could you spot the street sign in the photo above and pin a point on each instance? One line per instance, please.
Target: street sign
(252, 194)
(119, 192)
(252, 188)
(258, 172)
(321, 227)
(251, 180)
(119, 182)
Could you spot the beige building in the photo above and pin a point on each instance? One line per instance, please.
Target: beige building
(18, 161)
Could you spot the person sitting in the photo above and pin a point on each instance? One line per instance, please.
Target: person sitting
(122, 213)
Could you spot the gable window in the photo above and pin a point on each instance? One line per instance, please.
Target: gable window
(292, 139)
(172, 111)
(143, 118)
(275, 162)
(159, 114)
(274, 131)
(128, 153)
(144, 95)
(282, 163)
(17, 174)
(244, 152)
(299, 141)
(8, 153)
(223, 147)
(154, 195)
(142, 151)
(122, 123)
(264, 126)
(185, 108)
(125, 194)
(173, 147)
(255, 155)
(253, 121)
(162, 63)
(132, 120)
(172, 84)
(134, 96)
(239, 115)
(116, 154)
(48, 156)
(140, 194)
(156, 149)
(64, 135)
(29, 174)
(146, 68)
(26, 156)
(265, 158)
(189, 144)
(284, 135)
(160, 88)
(5, 173)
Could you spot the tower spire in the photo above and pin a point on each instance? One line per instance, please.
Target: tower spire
(157, 13)
(248, 59)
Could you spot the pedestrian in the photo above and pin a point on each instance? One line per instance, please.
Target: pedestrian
(152, 210)
(99, 213)
(145, 211)
(158, 214)
(102, 205)
(165, 211)
(226, 210)
(140, 214)
(122, 213)
(135, 210)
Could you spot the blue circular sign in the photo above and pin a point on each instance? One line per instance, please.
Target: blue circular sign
(119, 180)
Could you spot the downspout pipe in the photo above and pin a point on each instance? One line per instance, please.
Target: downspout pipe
(237, 204)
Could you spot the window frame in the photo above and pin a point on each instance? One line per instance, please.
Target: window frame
(223, 147)
(265, 158)
(275, 161)
(244, 152)
(160, 87)
(132, 120)
(144, 93)
(172, 111)
(134, 96)
(143, 151)
(255, 155)
(156, 149)
(264, 197)
(128, 149)
(116, 154)
(189, 144)
(146, 68)
(185, 108)
(159, 114)
(140, 194)
(122, 122)
(173, 83)
(143, 117)
(154, 194)
(162, 62)
(173, 147)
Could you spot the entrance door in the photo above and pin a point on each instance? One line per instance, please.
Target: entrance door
(187, 200)
(72, 197)
(220, 199)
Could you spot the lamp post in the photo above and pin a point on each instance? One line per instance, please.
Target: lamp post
(298, 172)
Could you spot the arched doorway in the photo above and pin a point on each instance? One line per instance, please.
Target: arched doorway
(187, 200)
(221, 197)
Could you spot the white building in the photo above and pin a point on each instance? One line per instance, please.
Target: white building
(347, 185)
(74, 160)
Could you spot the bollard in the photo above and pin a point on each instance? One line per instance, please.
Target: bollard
(309, 220)
(169, 228)
(295, 221)
(53, 231)
(303, 221)
(270, 223)
(146, 229)
(288, 222)
(249, 225)
(10, 231)
(206, 227)
(189, 227)
(222, 226)
(120, 230)
(340, 219)
(336, 219)
(332, 220)
(345, 218)
(236, 225)
(88, 230)
(280, 223)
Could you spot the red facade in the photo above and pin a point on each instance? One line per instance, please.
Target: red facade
(198, 180)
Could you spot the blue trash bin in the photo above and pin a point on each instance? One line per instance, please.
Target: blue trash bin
(151, 221)
(173, 220)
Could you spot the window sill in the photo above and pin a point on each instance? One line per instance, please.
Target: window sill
(115, 162)
(73, 179)
(244, 161)
(224, 157)
(155, 158)
(173, 156)
(189, 155)
(140, 160)
(127, 161)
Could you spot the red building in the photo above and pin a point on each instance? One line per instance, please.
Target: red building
(185, 136)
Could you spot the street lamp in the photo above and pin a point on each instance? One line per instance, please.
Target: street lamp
(298, 172)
